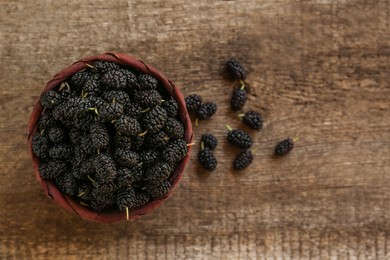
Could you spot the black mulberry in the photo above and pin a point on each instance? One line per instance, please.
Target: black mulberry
(158, 190)
(175, 151)
(126, 199)
(92, 86)
(100, 66)
(109, 112)
(100, 137)
(148, 98)
(284, 146)
(137, 142)
(238, 99)
(126, 125)
(209, 141)
(148, 157)
(56, 134)
(123, 141)
(52, 169)
(46, 121)
(119, 96)
(133, 109)
(126, 158)
(206, 110)
(207, 159)
(154, 120)
(113, 79)
(105, 168)
(239, 138)
(243, 160)
(127, 176)
(40, 146)
(61, 151)
(50, 99)
(171, 107)
(253, 119)
(193, 102)
(131, 79)
(147, 82)
(158, 173)
(157, 140)
(67, 184)
(79, 78)
(235, 69)
(174, 128)
(109, 187)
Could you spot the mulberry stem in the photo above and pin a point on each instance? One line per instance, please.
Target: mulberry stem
(190, 144)
(241, 115)
(229, 128)
(84, 204)
(89, 65)
(145, 110)
(81, 194)
(202, 146)
(92, 180)
(127, 213)
(144, 133)
(196, 121)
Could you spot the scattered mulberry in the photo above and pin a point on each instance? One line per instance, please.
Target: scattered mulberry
(60, 151)
(105, 168)
(79, 78)
(133, 109)
(235, 69)
(40, 146)
(126, 158)
(56, 134)
(193, 102)
(123, 141)
(148, 98)
(148, 157)
(147, 82)
(119, 96)
(253, 119)
(101, 67)
(175, 151)
(100, 137)
(126, 125)
(174, 128)
(157, 140)
(52, 169)
(206, 110)
(158, 173)
(209, 141)
(284, 146)
(238, 99)
(113, 79)
(50, 99)
(158, 190)
(171, 107)
(126, 199)
(91, 85)
(207, 159)
(154, 120)
(67, 184)
(243, 160)
(239, 138)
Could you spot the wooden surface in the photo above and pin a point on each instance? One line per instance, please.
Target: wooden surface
(319, 70)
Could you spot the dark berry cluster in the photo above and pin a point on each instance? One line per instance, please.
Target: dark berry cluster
(108, 139)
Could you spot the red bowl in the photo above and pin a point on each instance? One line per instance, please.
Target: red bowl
(72, 205)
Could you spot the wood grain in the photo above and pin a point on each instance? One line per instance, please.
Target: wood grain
(319, 70)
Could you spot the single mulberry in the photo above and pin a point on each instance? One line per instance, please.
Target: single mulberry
(147, 82)
(133, 109)
(67, 184)
(158, 190)
(149, 157)
(46, 121)
(126, 158)
(239, 138)
(209, 141)
(78, 79)
(102, 200)
(126, 199)
(92, 86)
(123, 141)
(158, 173)
(100, 137)
(207, 159)
(175, 151)
(56, 134)
(253, 119)
(127, 176)
(50, 99)
(239, 98)
(113, 79)
(171, 107)
(157, 140)
(154, 120)
(137, 142)
(87, 167)
(131, 79)
(108, 187)
(120, 96)
(52, 169)
(83, 122)
(40, 146)
(243, 160)
(126, 125)
(61, 151)
(174, 128)
(235, 69)
(193, 102)
(101, 67)
(105, 168)
(284, 146)
(206, 110)
(110, 111)
(148, 98)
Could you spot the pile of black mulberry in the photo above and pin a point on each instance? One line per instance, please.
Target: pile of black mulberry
(109, 137)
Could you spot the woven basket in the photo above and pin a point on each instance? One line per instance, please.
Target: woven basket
(68, 203)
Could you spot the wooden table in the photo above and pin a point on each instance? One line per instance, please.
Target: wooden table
(319, 70)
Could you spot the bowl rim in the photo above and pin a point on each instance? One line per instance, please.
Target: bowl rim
(67, 202)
